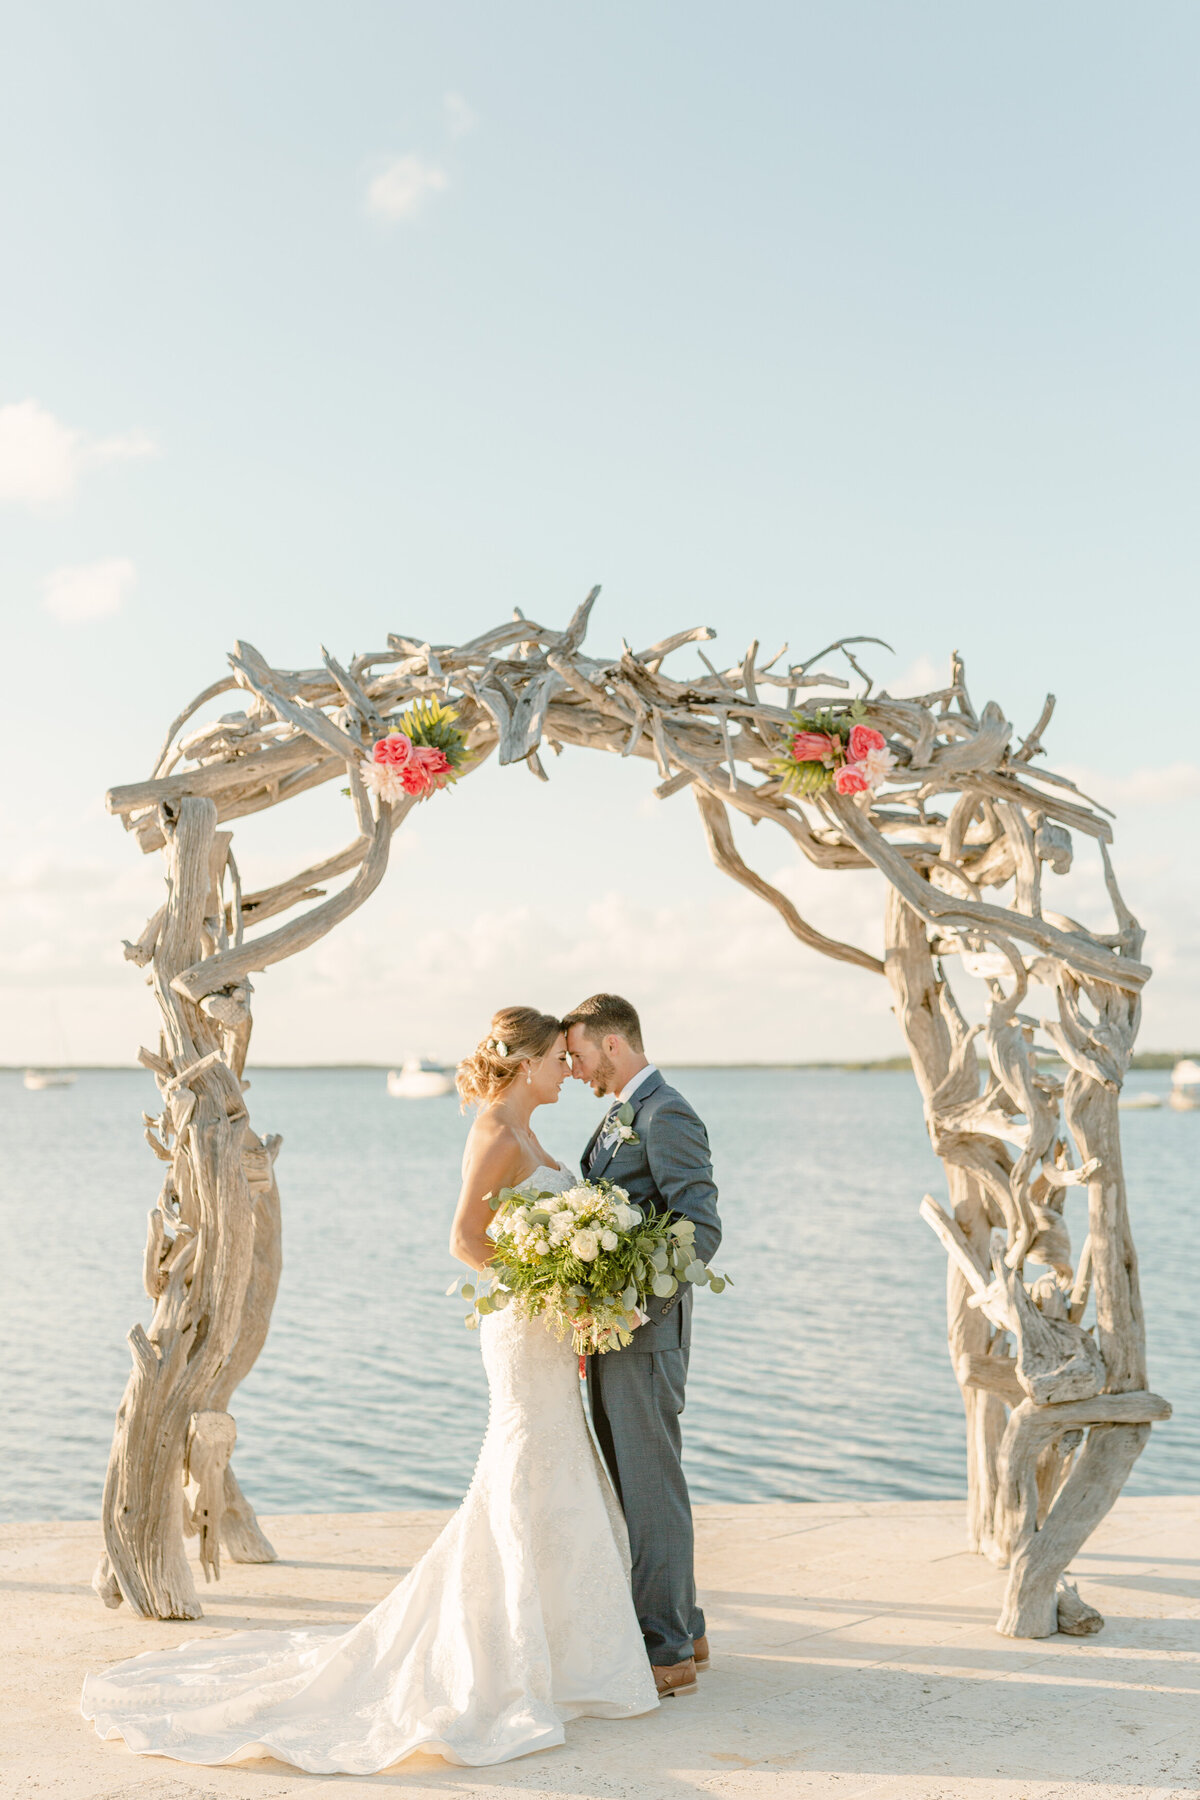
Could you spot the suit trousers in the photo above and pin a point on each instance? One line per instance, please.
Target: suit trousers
(636, 1402)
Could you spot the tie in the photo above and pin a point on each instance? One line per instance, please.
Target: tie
(604, 1130)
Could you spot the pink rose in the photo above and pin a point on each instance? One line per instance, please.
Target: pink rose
(416, 777)
(850, 780)
(431, 758)
(862, 740)
(812, 746)
(395, 750)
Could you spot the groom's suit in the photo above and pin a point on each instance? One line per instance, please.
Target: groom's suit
(637, 1394)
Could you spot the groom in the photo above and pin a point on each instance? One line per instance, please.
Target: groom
(651, 1144)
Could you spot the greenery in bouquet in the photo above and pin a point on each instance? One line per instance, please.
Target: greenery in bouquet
(587, 1260)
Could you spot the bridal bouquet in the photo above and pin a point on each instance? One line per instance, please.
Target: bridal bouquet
(586, 1260)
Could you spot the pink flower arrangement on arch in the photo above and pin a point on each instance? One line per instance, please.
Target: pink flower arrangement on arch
(420, 760)
(836, 751)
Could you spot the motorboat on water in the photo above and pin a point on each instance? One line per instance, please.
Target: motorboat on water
(49, 1078)
(1185, 1086)
(1143, 1102)
(420, 1079)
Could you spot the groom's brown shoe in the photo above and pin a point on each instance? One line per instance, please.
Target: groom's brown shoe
(700, 1652)
(673, 1679)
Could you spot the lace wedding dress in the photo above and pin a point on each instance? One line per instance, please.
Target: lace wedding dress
(517, 1619)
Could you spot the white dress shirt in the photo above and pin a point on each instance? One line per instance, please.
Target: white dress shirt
(634, 1083)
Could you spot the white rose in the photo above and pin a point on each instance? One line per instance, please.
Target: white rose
(541, 1248)
(585, 1245)
(608, 1240)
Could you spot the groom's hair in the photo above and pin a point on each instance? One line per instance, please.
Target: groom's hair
(604, 1013)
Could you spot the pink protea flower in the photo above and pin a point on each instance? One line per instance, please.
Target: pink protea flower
(812, 746)
(851, 780)
(394, 750)
(862, 740)
(439, 765)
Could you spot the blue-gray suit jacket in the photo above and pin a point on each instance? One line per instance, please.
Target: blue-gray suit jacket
(668, 1170)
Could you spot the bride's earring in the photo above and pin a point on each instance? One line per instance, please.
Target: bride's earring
(529, 1078)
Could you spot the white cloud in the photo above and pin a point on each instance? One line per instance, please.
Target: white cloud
(126, 446)
(460, 117)
(41, 459)
(1167, 786)
(922, 676)
(401, 188)
(85, 591)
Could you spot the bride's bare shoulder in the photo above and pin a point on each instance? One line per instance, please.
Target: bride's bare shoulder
(493, 1141)
(491, 1128)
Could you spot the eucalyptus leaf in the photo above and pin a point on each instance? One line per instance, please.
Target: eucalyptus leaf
(717, 1283)
(467, 1290)
(695, 1271)
(664, 1286)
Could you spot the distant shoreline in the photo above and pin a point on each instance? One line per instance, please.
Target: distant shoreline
(1146, 1059)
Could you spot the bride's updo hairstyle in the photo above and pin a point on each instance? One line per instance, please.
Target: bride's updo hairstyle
(516, 1032)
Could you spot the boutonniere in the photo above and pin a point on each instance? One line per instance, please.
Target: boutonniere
(625, 1132)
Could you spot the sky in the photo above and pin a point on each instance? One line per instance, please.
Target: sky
(795, 320)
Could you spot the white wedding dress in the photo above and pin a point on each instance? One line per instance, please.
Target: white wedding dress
(517, 1619)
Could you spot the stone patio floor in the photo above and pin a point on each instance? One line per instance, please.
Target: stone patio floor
(853, 1655)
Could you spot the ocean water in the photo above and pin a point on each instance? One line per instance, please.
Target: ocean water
(820, 1375)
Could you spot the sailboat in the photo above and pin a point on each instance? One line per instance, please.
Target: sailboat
(1185, 1086)
(419, 1079)
(61, 1076)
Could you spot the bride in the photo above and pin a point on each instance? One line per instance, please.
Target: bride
(517, 1619)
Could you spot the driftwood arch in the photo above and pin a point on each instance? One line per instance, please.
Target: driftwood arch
(1056, 1412)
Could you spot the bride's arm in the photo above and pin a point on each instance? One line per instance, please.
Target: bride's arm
(492, 1161)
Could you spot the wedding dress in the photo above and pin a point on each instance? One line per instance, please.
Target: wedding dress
(518, 1618)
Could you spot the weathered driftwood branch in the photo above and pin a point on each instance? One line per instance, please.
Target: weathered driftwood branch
(201, 1269)
(720, 842)
(968, 834)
